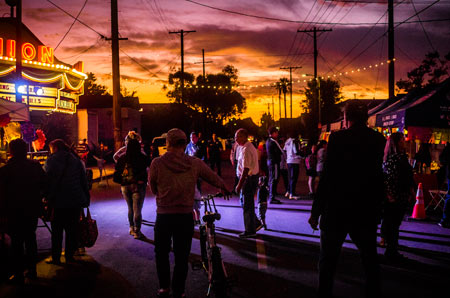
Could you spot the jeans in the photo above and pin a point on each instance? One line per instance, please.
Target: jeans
(393, 216)
(180, 228)
(65, 219)
(274, 176)
(331, 240)
(294, 169)
(262, 195)
(23, 233)
(247, 199)
(134, 195)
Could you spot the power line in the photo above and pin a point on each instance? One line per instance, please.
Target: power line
(384, 34)
(140, 64)
(305, 22)
(81, 22)
(423, 28)
(84, 51)
(73, 23)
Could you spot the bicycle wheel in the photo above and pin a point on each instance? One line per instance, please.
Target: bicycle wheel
(203, 250)
(219, 276)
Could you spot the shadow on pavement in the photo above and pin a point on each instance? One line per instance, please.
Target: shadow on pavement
(83, 278)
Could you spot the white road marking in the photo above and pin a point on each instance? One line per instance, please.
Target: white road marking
(261, 254)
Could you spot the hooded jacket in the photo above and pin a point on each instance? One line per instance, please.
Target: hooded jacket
(173, 178)
(68, 187)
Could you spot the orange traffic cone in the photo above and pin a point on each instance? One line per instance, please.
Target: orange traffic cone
(419, 208)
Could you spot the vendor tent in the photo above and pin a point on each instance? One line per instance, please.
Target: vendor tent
(16, 111)
(428, 108)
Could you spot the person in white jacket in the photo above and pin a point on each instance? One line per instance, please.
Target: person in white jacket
(292, 148)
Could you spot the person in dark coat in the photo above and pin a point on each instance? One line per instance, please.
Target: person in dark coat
(214, 151)
(274, 155)
(399, 182)
(68, 194)
(349, 197)
(22, 188)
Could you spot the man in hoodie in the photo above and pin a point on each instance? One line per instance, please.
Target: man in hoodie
(173, 178)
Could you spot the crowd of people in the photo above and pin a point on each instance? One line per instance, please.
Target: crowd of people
(362, 178)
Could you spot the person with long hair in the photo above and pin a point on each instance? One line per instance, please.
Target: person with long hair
(311, 164)
(68, 193)
(399, 183)
(133, 166)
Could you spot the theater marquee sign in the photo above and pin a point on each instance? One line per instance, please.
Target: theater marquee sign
(47, 83)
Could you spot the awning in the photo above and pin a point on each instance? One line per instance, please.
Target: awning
(421, 109)
(16, 111)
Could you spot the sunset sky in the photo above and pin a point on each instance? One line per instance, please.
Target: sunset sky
(258, 47)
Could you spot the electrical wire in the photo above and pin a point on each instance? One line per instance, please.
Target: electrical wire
(384, 34)
(310, 23)
(84, 51)
(81, 22)
(423, 28)
(73, 23)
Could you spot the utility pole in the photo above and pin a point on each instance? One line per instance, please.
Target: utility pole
(290, 80)
(273, 110)
(203, 62)
(182, 33)
(18, 48)
(279, 100)
(117, 116)
(391, 69)
(316, 53)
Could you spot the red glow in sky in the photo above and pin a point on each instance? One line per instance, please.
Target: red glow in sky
(258, 47)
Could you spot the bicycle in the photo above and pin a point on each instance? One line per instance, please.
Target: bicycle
(211, 257)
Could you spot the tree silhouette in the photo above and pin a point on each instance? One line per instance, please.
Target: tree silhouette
(92, 88)
(214, 97)
(330, 94)
(432, 68)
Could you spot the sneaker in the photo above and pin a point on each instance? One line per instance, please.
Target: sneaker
(286, 195)
(444, 225)
(132, 233)
(163, 293)
(259, 226)
(275, 201)
(52, 261)
(247, 235)
(291, 197)
(138, 235)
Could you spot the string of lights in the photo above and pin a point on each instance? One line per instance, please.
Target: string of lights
(304, 79)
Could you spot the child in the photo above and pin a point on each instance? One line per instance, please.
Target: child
(263, 193)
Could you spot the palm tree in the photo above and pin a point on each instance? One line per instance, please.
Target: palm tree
(283, 86)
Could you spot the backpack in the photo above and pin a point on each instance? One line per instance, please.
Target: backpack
(128, 175)
(311, 162)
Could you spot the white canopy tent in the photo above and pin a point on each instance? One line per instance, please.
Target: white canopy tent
(16, 111)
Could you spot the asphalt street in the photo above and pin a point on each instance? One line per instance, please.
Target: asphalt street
(280, 262)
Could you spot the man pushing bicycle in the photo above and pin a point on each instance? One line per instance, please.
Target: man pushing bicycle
(172, 179)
